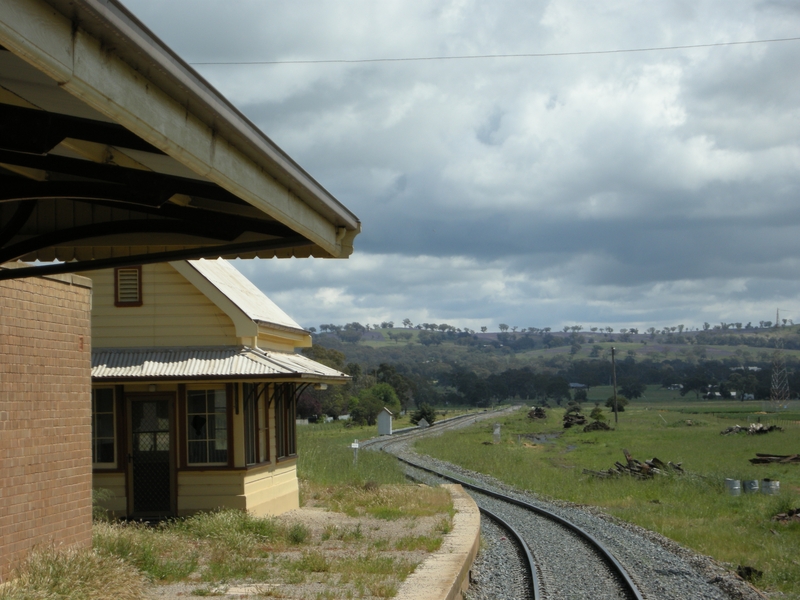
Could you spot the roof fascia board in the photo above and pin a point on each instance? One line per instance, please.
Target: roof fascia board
(82, 65)
(244, 325)
(283, 336)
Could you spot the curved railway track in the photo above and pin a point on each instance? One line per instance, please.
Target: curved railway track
(556, 558)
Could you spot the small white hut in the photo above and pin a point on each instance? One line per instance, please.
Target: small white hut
(385, 422)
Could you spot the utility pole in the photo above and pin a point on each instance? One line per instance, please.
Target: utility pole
(614, 379)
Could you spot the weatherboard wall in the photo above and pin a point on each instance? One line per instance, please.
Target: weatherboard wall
(173, 313)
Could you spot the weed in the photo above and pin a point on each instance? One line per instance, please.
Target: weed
(329, 531)
(380, 545)
(383, 589)
(73, 575)
(100, 495)
(157, 553)
(204, 591)
(297, 534)
(445, 526)
(311, 562)
(419, 542)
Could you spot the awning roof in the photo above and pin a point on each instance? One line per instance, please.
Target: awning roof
(114, 151)
(148, 364)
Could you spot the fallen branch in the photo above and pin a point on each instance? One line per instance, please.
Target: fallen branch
(638, 469)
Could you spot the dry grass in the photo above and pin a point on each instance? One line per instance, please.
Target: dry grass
(387, 502)
(70, 574)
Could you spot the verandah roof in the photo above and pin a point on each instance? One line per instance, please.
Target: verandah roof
(230, 362)
(114, 151)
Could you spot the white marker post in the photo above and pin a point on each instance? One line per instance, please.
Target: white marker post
(354, 446)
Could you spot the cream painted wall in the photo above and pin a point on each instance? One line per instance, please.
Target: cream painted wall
(173, 313)
(114, 483)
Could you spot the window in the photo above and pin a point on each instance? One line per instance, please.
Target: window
(128, 286)
(285, 420)
(255, 423)
(207, 427)
(103, 427)
(250, 407)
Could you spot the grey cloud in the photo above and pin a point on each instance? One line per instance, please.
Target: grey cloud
(587, 188)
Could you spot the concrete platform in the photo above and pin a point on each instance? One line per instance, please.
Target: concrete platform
(445, 574)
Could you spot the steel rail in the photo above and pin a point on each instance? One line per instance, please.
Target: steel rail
(612, 561)
(530, 563)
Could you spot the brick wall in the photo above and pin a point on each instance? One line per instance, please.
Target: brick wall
(45, 415)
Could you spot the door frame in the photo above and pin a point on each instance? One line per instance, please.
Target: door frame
(131, 397)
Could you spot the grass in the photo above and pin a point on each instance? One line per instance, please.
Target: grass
(214, 549)
(692, 509)
(73, 575)
(388, 502)
(325, 457)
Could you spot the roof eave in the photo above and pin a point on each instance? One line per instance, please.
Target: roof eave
(100, 53)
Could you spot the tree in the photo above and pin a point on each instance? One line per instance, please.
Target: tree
(425, 411)
(622, 402)
(430, 338)
(633, 388)
(597, 413)
(365, 407)
(483, 329)
(503, 327)
(327, 356)
(407, 323)
(558, 389)
(580, 395)
(308, 407)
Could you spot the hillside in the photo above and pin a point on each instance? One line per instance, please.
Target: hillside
(465, 367)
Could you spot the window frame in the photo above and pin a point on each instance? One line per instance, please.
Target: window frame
(113, 465)
(184, 425)
(285, 402)
(255, 417)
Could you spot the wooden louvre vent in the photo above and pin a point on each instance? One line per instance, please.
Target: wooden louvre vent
(128, 285)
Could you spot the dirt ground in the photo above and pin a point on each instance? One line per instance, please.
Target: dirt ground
(341, 539)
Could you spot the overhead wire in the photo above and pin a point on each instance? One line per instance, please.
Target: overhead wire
(489, 56)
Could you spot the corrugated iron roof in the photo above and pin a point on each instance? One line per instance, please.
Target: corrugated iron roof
(207, 362)
(243, 293)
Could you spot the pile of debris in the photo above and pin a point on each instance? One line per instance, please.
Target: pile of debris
(765, 459)
(792, 515)
(754, 429)
(575, 418)
(537, 413)
(596, 426)
(638, 469)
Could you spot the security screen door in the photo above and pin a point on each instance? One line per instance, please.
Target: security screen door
(150, 461)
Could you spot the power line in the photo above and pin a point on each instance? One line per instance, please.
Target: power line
(484, 56)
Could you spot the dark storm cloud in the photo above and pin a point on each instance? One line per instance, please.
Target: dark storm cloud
(629, 188)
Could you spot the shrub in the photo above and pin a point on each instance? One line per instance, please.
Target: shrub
(622, 402)
(425, 411)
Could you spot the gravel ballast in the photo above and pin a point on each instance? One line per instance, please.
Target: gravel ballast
(662, 569)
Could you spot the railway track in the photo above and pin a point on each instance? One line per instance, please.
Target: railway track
(553, 557)
(567, 564)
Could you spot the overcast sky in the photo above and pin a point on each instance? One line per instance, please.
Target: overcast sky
(625, 189)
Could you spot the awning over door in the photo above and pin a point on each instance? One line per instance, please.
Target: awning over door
(113, 151)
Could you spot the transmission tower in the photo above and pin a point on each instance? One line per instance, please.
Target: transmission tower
(779, 394)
